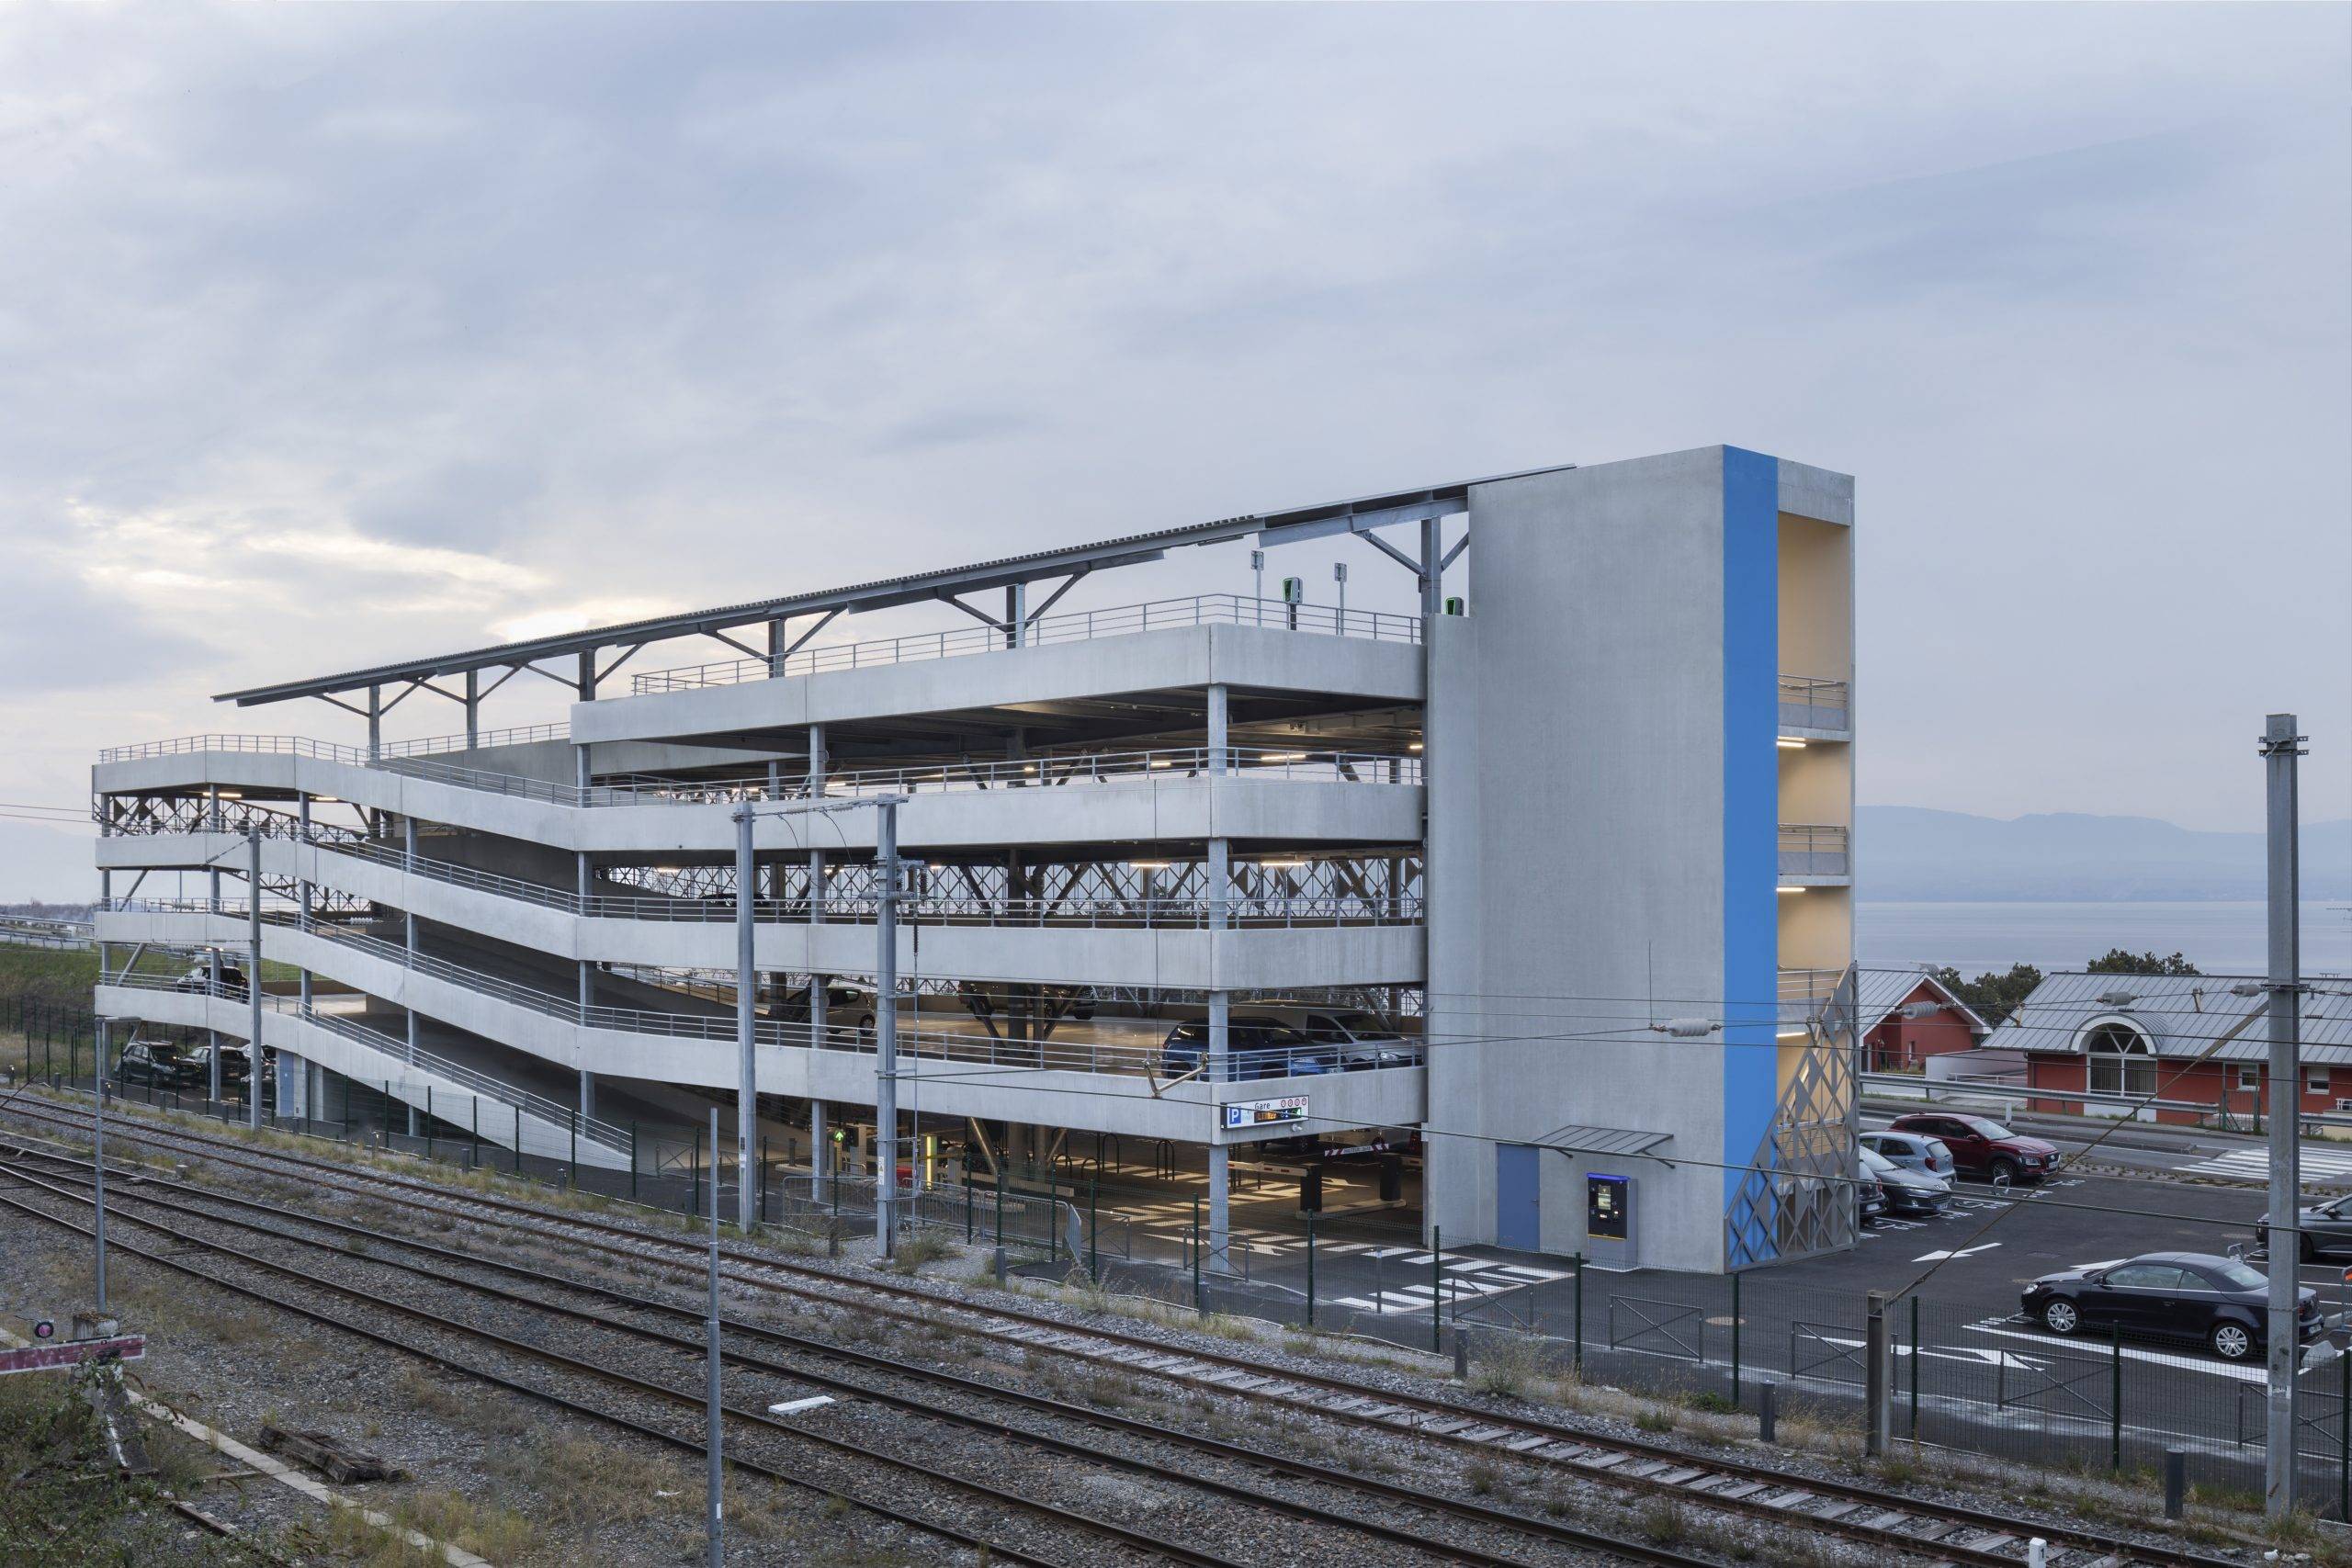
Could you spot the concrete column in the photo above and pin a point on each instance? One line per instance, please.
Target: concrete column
(819, 985)
(315, 1090)
(1016, 614)
(473, 707)
(821, 1148)
(288, 1089)
(408, 925)
(302, 811)
(1220, 1239)
(584, 878)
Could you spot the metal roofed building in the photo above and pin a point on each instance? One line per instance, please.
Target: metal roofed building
(1570, 852)
(2178, 1038)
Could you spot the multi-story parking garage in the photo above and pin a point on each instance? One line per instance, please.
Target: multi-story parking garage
(1553, 875)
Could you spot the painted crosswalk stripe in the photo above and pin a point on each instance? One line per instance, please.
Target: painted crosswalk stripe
(2254, 1164)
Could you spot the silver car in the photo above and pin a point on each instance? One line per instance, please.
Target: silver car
(1908, 1191)
(1912, 1151)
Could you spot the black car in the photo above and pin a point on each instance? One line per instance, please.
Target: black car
(2220, 1302)
(235, 1066)
(1257, 1048)
(2326, 1227)
(154, 1063)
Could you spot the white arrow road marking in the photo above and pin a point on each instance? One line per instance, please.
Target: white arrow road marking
(1961, 1252)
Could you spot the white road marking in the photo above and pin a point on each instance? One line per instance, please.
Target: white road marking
(2238, 1370)
(1958, 1252)
(2254, 1164)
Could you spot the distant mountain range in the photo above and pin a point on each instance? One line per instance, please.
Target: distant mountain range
(1908, 854)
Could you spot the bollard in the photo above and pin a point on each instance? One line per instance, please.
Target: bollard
(1876, 1362)
(2036, 1553)
(999, 1263)
(2176, 1483)
(1460, 1355)
(1765, 1411)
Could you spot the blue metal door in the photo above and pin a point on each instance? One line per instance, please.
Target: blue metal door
(1518, 1212)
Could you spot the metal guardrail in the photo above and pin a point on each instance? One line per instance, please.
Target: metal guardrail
(1075, 625)
(604, 1133)
(328, 750)
(1815, 850)
(2012, 1093)
(981, 1049)
(1810, 703)
(62, 935)
(1241, 912)
(1248, 763)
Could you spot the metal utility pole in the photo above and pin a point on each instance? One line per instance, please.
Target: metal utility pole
(886, 1025)
(253, 980)
(716, 1413)
(98, 1168)
(2280, 747)
(747, 1068)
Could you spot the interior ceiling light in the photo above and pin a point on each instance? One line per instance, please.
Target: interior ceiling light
(1282, 757)
(1412, 746)
(229, 794)
(1149, 864)
(1286, 864)
(1791, 890)
(1789, 743)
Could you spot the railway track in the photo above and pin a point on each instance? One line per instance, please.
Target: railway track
(1416, 1539)
(1912, 1526)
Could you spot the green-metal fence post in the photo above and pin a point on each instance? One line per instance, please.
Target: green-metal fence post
(697, 1209)
(2343, 1439)
(764, 1178)
(968, 1203)
(1437, 1288)
(428, 1120)
(1093, 1232)
(632, 1160)
(1580, 1307)
(518, 1140)
(473, 1156)
(1310, 1268)
(387, 1112)
(1916, 1365)
(2115, 1404)
(574, 1177)
(1734, 1341)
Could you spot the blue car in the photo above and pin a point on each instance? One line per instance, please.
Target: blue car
(1257, 1048)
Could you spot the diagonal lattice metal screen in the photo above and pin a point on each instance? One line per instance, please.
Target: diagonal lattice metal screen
(1798, 1197)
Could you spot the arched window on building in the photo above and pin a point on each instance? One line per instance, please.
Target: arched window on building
(2122, 1060)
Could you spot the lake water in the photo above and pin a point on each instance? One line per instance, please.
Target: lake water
(2219, 938)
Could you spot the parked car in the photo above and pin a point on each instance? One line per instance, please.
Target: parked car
(198, 979)
(2326, 1230)
(235, 1067)
(1907, 1192)
(1982, 1147)
(1912, 1151)
(1873, 1201)
(1259, 1047)
(2219, 1301)
(157, 1064)
(1357, 1038)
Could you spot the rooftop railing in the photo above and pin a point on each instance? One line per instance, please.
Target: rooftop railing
(1075, 625)
(1256, 765)
(304, 746)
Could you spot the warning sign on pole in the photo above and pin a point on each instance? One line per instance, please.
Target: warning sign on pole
(73, 1353)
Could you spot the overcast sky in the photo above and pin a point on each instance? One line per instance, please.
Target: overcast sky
(339, 334)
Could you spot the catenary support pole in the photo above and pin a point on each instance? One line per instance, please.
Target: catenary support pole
(886, 1026)
(2280, 747)
(98, 1175)
(253, 980)
(747, 1068)
(713, 1435)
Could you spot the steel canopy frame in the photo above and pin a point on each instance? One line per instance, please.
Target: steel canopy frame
(1359, 515)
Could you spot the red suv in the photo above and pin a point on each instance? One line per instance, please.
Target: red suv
(1982, 1147)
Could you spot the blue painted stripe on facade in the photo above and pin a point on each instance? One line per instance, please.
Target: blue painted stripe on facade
(1751, 812)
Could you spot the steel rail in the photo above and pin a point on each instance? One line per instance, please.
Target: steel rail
(2060, 1536)
(1125, 1535)
(1546, 1530)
